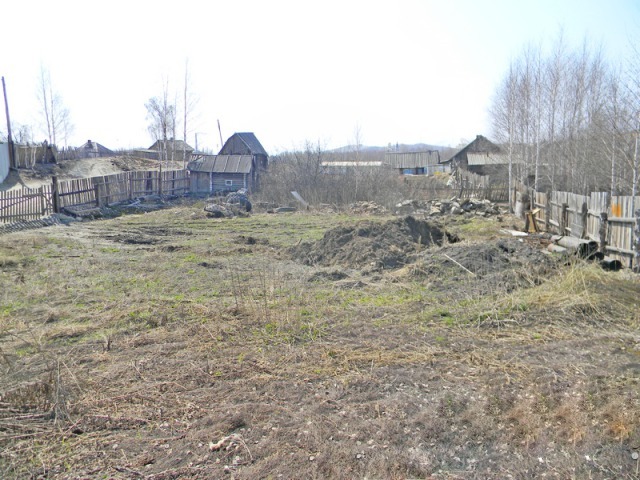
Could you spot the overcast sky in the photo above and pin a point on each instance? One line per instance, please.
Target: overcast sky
(289, 71)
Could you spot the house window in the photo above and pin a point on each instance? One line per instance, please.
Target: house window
(228, 183)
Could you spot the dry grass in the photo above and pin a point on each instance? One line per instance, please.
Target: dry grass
(128, 346)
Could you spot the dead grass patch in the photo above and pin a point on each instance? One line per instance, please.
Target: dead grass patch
(129, 359)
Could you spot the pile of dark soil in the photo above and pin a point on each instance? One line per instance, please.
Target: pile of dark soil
(503, 264)
(373, 245)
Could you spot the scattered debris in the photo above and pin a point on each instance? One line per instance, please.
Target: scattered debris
(239, 198)
(514, 233)
(583, 248)
(285, 209)
(367, 208)
(236, 204)
(299, 198)
(454, 206)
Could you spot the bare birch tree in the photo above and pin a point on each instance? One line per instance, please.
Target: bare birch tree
(55, 116)
(161, 115)
(189, 104)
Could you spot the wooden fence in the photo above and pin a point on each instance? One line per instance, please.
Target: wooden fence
(25, 204)
(610, 221)
(33, 204)
(483, 187)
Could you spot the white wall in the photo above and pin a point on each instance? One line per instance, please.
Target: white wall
(4, 161)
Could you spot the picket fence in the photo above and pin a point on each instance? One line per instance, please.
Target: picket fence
(34, 204)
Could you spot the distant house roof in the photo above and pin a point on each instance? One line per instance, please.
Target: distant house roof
(96, 148)
(480, 145)
(412, 159)
(243, 143)
(172, 145)
(222, 164)
(351, 164)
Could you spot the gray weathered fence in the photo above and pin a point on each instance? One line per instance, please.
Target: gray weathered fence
(33, 204)
(608, 220)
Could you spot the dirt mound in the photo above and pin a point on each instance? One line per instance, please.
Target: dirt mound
(373, 245)
(502, 265)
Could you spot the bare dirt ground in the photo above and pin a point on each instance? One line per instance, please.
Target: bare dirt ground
(170, 345)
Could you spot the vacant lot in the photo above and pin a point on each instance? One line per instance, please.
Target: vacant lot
(171, 345)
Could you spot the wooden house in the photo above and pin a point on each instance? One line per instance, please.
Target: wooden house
(94, 150)
(239, 164)
(176, 150)
(481, 157)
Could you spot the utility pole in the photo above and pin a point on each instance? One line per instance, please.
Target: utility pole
(9, 139)
(220, 132)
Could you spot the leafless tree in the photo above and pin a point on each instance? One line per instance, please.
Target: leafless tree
(189, 104)
(568, 119)
(161, 115)
(55, 116)
(504, 113)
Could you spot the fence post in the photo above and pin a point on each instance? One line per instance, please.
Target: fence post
(604, 226)
(547, 212)
(55, 194)
(584, 216)
(43, 203)
(563, 219)
(96, 187)
(636, 247)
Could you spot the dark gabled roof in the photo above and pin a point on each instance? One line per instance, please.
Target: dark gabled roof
(479, 145)
(222, 164)
(95, 147)
(175, 145)
(249, 140)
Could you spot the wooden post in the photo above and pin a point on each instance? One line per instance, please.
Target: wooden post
(604, 227)
(43, 203)
(55, 194)
(96, 187)
(584, 216)
(12, 160)
(564, 216)
(636, 246)
(547, 212)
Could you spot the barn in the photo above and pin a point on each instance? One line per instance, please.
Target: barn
(415, 163)
(481, 156)
(239, 164)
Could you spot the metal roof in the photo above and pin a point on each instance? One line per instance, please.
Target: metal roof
(222, 164)
(411, 159)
